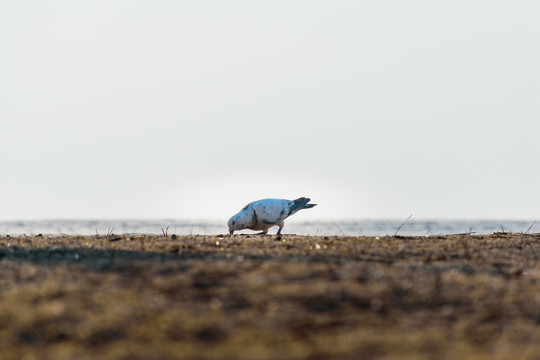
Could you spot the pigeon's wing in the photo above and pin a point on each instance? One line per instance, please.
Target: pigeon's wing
(271, 211)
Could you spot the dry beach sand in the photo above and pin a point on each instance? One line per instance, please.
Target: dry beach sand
(268, 297)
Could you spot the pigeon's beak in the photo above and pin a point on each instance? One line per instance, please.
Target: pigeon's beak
(231, 232)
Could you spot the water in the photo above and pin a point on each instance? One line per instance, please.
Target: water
(206, 227)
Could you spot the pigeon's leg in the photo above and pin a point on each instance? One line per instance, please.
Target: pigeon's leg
(281, 224)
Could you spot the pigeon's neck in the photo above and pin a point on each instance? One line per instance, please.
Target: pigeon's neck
(254, 218)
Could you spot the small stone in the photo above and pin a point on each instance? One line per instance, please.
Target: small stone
(215, 303)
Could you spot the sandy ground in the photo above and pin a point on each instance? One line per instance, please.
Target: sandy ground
(264, 297)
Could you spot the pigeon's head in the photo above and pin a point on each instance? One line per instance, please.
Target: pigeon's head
(237, 222)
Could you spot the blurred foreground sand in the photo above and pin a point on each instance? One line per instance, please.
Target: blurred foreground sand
(263, 297)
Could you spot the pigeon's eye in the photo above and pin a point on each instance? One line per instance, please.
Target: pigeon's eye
(234, 222)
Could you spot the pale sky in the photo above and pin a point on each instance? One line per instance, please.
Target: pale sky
(191, 109)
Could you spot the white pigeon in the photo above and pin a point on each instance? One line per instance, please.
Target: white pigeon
(263, 214)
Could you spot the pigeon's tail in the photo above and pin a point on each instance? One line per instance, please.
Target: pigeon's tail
(301, 203)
